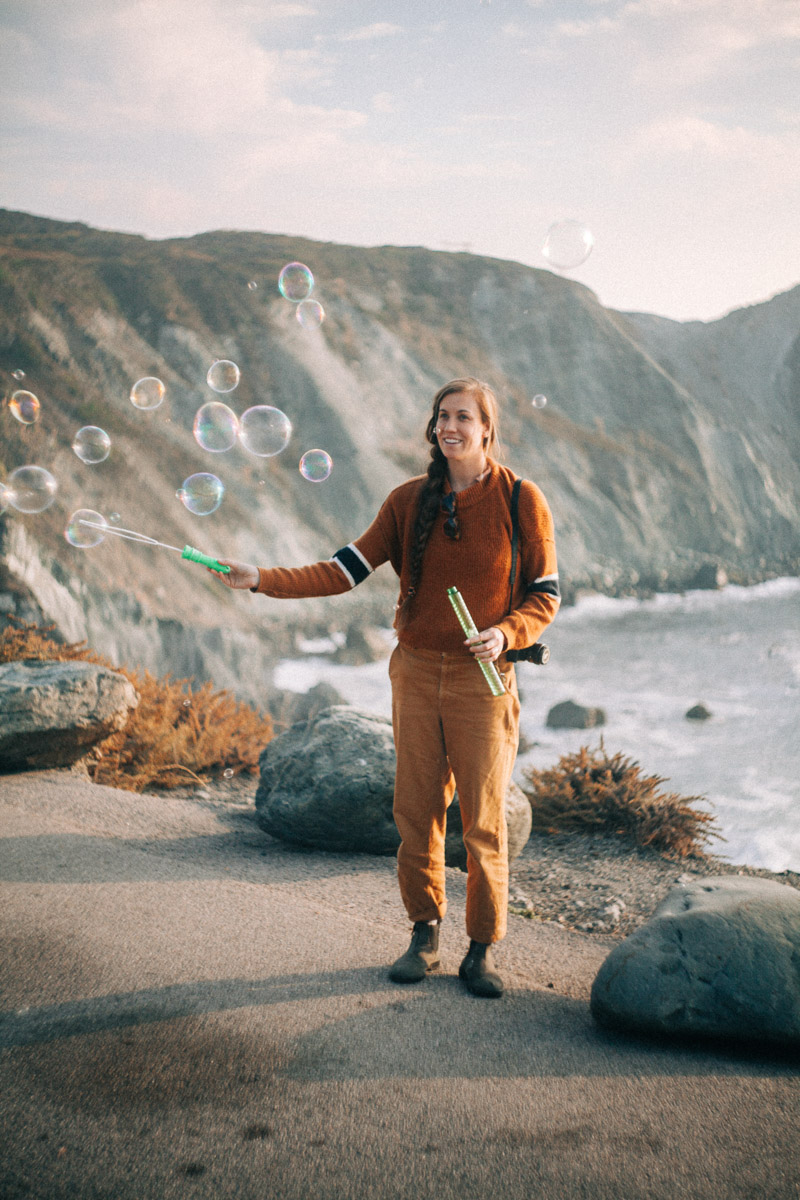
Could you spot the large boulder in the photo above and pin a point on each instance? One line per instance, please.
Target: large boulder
(52, 713)
(328, 784)
(569, 715)
(719, 958)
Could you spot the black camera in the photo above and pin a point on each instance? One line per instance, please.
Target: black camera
(537, 653)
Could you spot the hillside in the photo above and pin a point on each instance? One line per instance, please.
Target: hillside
(662, 447)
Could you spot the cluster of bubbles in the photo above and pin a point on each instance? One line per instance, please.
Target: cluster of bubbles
(263, 430)
(567, 245)
(296, 283)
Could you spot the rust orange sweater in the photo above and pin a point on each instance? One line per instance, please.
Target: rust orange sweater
(478, 564)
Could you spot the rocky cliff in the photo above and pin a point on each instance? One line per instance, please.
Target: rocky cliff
(663, 446)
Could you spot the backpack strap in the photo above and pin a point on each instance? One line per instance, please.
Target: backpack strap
(514, 539)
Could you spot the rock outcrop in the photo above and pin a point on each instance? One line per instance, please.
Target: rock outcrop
(719, 958)
(52, 713)
(651, 426)
(569, 715)
(328, 784)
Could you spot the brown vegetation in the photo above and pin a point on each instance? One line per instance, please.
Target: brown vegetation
(174, 735)
(593, 791)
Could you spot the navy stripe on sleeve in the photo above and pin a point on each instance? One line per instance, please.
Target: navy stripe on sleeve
(353, 563)
(546, 585)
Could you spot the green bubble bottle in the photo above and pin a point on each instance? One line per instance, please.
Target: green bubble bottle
(491, 674)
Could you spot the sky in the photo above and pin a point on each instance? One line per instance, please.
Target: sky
(670, 128)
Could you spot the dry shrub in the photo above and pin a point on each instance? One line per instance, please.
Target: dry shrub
(173, 735)
(593, 792)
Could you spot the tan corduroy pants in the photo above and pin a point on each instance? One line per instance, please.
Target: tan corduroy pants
(451, 732)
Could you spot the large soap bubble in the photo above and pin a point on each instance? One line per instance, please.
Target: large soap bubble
(148, 392)
(24, 406)
(264, 430)
(31, 489)
(295, 282)
(202, 493)
(567, 245)
(91, 444)
(223, 375)
(82, 528)
(310, 314)
(316, 465)
(215, 427)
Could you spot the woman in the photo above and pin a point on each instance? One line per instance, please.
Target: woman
(451, 527)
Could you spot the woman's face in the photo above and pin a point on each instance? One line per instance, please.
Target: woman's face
(460, 428)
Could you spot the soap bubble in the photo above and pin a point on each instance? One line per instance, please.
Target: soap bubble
(223, 375)
(253, 286)
(316, 465)
(148, 392)
(31, 489)
(264, 430)
(310, 314)
(82, 535)
(215, 427)
(114, 518)
(227, 773)
(18, 374)
(187, 704)
(567, 245)
(25, 407)
(201, 494)
(91, 444)
(539, 401)
(295, 282)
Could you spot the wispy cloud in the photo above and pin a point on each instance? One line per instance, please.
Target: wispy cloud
(368, 33)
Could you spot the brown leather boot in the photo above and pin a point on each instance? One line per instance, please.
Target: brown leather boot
(421, 956)
(478, 971)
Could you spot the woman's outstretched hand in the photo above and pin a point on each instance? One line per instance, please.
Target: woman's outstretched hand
(241, 575)
(488, 645)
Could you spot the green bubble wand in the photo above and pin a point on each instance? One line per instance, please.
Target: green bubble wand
(189, 552)
(491, 674)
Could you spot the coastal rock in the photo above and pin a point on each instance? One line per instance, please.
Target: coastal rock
(698, 712)
(364, 644)
(569, 715)
(718, 958)
(287, 707)
(709, 576)
(52, 713)
(328, 784)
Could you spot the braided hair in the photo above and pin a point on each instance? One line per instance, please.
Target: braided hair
(432, 491)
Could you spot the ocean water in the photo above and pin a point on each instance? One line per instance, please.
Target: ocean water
(646, 662)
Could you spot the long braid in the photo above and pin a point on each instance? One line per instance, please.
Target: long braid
(428, 505)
